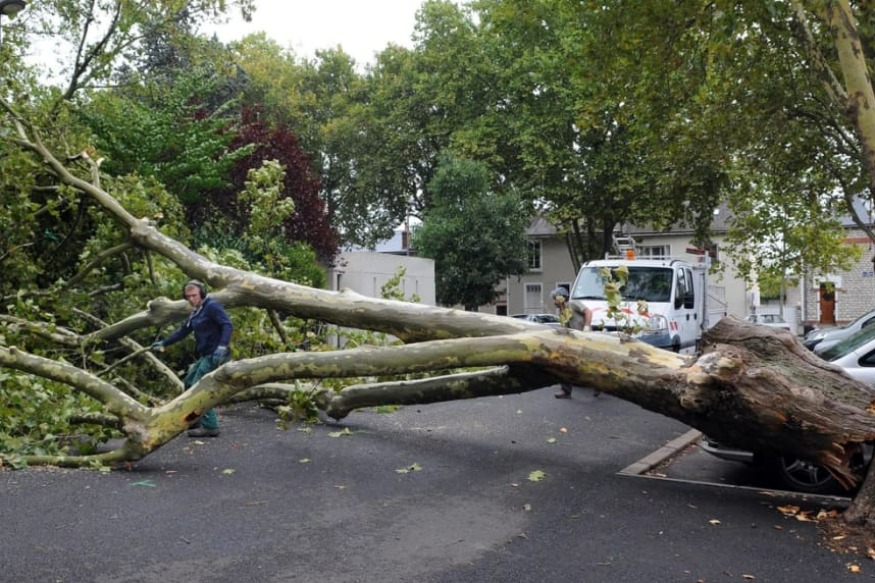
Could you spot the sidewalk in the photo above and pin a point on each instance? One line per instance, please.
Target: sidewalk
(522, 488)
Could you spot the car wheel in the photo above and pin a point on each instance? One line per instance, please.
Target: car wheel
(803, 476)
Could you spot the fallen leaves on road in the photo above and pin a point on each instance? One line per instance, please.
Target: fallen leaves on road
(537, 476)
(342, 433)
(792, 511)
(414, 467)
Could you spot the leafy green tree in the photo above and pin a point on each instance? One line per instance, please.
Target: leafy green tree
(475, 235)
(91, 37)
(326, 103)
(592, 113)
(167, 132)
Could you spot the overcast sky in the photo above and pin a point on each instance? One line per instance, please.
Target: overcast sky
(361, 27)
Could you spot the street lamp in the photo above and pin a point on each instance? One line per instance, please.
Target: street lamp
(10, 8)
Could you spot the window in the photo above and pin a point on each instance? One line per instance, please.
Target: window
(534, 255)
(645, 252)
(533, 301)
(685, 290)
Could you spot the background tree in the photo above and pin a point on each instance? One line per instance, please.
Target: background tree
(476, 236)
(309, 222)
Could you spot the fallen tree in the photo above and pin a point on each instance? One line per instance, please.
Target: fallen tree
(751, 387)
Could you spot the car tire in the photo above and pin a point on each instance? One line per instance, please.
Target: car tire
(803, 476)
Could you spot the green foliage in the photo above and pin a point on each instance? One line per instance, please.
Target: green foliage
(476, 236)
(262, 246)
(300, 406)
(391, 290)
(169, 133)
(615, 280)
(35, 418)
(782, 227)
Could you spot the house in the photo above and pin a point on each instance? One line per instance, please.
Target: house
(549, 267)
(841, 297)
(831, 299)
(366, 272)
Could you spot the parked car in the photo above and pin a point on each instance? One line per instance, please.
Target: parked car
(549, 319)
(820, 339)
(792, 473)
(773, 320)
(856, 355)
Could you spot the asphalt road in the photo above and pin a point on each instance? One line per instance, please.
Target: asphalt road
(517, 488)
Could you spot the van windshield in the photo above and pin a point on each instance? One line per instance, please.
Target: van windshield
(651, 284)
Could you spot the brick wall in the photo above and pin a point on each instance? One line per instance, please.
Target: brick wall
(855, 288)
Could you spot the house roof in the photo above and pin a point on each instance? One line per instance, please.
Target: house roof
(540, 227)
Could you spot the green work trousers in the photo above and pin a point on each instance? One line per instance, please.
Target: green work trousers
(198, 370)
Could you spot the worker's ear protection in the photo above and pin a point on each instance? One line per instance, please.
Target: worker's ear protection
(200, 286)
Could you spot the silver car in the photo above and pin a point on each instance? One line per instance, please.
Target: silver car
(771, 320)
(856, 355)
(821, 339)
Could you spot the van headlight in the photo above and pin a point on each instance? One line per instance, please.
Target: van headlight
(656, 325)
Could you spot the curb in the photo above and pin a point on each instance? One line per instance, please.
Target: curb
(652, 460)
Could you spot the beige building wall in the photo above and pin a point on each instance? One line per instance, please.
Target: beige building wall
(366, 272)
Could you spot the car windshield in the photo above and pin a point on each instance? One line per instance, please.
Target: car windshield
(849, 344)
(651, 284)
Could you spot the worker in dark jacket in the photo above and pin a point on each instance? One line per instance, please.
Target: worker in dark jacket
(212, 336)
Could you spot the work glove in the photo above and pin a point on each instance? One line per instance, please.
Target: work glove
(157, 347)
(219, 355)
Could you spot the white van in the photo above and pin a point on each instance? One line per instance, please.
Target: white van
(675, 292)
